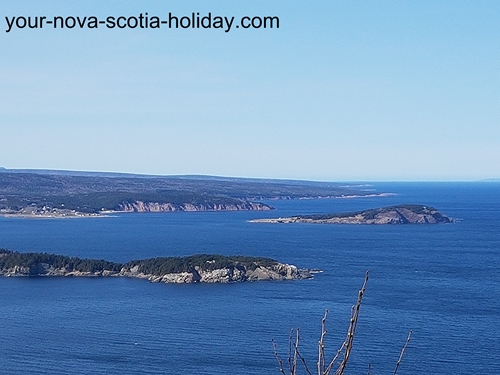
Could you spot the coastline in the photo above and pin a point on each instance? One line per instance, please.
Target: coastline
(50, 216)
(368, 196)
(73, 214)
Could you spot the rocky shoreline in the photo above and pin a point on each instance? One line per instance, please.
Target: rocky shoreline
(135, 206)
(140, 206)
(222, 275)
(197, 269)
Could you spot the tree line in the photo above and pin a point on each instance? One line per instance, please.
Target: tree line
(154, 266)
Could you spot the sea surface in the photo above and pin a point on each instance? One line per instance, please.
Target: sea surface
(440, 281)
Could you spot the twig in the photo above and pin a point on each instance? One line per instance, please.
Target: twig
(402, 352)
(297, 354)
(334, 359)
(321, 346)
(352, 328)
(293, 371)
(345, 349)
(276, 355)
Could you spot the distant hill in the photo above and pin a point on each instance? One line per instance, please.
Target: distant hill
(67, 193)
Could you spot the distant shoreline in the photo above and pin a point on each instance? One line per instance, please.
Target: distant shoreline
(73, 214)
(367, 195)
(53, 194)
(26, 216)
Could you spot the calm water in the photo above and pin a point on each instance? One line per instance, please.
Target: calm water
(442, 281)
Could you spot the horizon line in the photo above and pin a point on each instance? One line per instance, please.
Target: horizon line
(134, 174)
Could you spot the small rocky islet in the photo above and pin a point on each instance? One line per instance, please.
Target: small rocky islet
(400, 214)
(202, 268)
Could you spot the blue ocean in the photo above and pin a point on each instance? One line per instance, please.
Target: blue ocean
(440, 281)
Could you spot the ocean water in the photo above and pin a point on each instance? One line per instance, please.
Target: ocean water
(441, 281)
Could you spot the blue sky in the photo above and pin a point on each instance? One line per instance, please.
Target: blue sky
(343, 90)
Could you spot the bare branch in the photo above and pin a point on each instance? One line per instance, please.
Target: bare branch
(352, 328)
(293, 371)
(298, 355)
(321, 345)
(334, 359)
(402, 352)
(344, 350)
(276, 355)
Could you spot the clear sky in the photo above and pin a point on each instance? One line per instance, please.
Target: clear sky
(343, 90)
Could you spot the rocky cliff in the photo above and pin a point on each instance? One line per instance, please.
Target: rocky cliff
(140, 206)
(236, 273)
(194, 269)
(136, 206)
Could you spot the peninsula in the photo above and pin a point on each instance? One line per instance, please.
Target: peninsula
(47, 193)
(401, 214)
(203, 268)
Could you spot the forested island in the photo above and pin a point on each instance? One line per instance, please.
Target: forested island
(46, 193)
(202, 268)
(400, 214)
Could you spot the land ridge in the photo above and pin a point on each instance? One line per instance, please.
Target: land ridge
(201, 268)
(399, 214)
(45, 193)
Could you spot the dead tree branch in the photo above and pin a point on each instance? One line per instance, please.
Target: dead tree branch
(352, 328)
(277, 356)
(402, 352)
(343, 352)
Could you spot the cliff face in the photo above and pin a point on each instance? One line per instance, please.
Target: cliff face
(236, 273)
(231, 274)
(402, 214)
(140, 206)
(135, 206)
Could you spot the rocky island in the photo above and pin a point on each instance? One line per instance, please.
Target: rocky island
(401, 214)
(203, 268)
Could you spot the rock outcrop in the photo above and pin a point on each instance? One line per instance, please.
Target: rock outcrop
(140, 206)
(232, 274)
